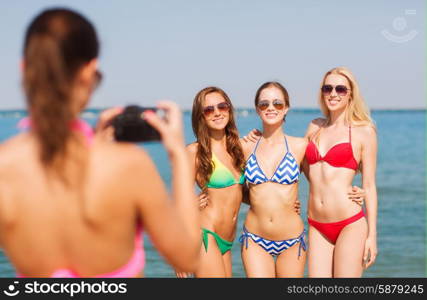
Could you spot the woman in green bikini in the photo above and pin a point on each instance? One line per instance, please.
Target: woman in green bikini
(217, 162)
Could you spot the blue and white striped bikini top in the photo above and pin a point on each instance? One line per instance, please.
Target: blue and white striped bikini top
(286, 173)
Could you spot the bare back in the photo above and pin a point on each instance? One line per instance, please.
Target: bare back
(45, 226)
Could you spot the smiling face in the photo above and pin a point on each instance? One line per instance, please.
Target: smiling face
(336, 92)
(216, 111)
(276, 110)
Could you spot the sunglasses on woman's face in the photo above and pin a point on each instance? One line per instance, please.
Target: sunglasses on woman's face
(98, 78)
(340, 89)
(277, 104)
(210, 109)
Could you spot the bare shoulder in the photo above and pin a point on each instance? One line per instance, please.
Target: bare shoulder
(365, 133)
(192, 148)
(122, 157)
(298, 144)
(297, 141)
(192, 151)
(125, 170)
(369, 129)
(16, 148)
(314, 126)
(318, 122)
(247, 146)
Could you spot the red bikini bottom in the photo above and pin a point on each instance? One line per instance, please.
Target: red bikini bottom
(332, 230)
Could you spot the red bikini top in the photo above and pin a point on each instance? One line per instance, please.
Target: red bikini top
(340, 155)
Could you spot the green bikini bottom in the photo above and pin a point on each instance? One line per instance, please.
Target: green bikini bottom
(223, 245)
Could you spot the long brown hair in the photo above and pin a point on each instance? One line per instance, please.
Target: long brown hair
(58, 42)
(204, 166)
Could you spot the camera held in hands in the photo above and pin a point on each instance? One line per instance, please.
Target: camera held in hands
(129, 126)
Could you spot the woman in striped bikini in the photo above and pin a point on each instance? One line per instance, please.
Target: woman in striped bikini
(273, 239)
(342, 241)
(218, 161)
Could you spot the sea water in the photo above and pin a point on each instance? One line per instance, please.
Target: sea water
(400, 185)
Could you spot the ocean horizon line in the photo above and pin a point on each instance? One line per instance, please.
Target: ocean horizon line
(8, 111)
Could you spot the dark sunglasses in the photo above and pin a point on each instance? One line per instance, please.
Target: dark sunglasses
(340, 89)
(210, 109)
(277, 104)
(98, 78)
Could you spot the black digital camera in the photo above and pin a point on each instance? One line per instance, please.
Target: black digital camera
(129, 126)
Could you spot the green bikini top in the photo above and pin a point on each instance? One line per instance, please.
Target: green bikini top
(221, 176)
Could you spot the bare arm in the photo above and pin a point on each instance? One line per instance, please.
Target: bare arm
(299, 145)
(245, 191)
(2, 210)
(302, 146)
(305, 169)
(252, 136)
(247, 147)
(202, 198)
(369, 161)
(312, 128)
(103, 129)
(174, 226)
(191, 153)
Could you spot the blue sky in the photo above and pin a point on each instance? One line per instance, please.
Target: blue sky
(154, 50)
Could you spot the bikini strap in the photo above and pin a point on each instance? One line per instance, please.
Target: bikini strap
(316, 135)
(213, 158)
(139, 237)
(286, 142)
(302, 243)
(256, 146)
(205, 238)
(243, 239)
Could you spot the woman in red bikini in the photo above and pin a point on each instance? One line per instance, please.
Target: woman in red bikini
(74, 205)
(342, 238)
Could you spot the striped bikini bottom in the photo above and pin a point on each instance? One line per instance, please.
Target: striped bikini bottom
(274, 248)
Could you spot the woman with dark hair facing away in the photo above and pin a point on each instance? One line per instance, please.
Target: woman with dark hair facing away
(273, 239)
(343, 242)
(86, 200)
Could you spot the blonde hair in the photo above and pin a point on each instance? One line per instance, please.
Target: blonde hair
(357, 112)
